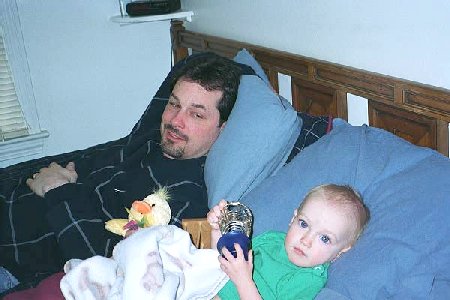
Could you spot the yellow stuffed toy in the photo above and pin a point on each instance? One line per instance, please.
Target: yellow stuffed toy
(153, 210)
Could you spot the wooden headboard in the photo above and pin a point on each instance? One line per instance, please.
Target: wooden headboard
(416, 112)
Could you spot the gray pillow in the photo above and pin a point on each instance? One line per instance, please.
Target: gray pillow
(244, 57)
(254, 144)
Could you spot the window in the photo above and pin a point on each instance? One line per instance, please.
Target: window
(21, 137)
(12, 121)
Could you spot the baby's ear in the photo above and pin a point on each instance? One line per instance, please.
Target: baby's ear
(345, 249)
(342, 251)
(293, 217)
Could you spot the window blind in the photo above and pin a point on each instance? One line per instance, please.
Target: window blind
(12, 121)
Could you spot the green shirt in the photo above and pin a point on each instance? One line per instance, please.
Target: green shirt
(275, 276)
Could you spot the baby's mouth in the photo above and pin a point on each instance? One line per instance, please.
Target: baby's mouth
(299, 251)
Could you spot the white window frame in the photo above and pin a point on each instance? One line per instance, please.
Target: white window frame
(30, 146)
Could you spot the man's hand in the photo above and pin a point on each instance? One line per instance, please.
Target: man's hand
(52, 177)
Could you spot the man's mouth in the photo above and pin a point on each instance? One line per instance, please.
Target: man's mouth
(174, 134)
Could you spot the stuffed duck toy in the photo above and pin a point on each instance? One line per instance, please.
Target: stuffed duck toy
(153, 210)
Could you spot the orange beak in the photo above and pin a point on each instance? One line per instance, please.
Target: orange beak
(141, 207)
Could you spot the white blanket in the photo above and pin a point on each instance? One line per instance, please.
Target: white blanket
(159, 262)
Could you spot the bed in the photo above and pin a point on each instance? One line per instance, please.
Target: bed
(399, 162)
(16, 244)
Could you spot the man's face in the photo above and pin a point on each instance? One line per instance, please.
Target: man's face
(190, 121)
(319, 233)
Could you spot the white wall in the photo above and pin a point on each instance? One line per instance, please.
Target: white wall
(406, 39)
(92, 78)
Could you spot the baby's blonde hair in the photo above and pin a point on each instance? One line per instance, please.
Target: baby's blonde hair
(343, 196)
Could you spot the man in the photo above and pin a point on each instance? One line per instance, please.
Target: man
(64, 215)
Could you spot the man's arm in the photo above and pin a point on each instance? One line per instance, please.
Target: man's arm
(75, 216)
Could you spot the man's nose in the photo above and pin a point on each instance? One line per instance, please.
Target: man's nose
(178, 119)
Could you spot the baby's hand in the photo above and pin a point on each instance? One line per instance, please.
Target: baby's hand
(214, 214)
(237, 268)
(213, 220)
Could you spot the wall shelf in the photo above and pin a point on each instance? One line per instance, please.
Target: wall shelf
(180, 14)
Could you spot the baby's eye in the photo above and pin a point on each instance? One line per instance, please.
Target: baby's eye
(302, 223)
(325, 239)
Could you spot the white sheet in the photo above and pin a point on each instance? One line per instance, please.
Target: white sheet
(159, 262)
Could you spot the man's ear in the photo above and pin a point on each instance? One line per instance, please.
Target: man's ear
(223, 126)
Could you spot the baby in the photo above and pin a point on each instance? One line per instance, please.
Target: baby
(294, 265)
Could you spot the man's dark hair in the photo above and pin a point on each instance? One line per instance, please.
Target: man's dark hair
(213, 73)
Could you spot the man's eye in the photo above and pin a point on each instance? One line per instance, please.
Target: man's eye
(302, 223)
(173, 103)
(325, 239)
(197, 115)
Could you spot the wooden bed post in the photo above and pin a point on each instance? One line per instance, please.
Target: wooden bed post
(178, 51)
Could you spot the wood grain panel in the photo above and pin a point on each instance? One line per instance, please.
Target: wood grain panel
(432, 99)
(365, 85)
(417, 129)
(281, 63)
(313, 99)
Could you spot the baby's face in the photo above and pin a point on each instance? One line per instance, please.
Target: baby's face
(318, 233)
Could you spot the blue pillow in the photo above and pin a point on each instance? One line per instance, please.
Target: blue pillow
(244, 57)
(254, 144)
(405, 250)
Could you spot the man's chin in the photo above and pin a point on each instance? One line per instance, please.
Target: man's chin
(172, 152)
